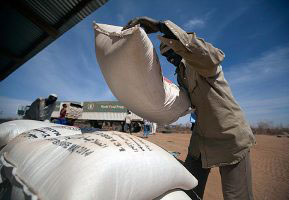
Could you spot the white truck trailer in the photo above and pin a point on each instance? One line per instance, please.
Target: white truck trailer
(100, 113)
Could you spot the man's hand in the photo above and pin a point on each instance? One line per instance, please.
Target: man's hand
(148, 24)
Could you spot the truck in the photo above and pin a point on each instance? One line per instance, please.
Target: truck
(103, 113)
(98, 114)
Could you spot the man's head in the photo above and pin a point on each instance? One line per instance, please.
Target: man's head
(51, 99)
(169, 53)
(64, 105)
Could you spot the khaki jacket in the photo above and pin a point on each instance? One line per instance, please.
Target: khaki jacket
(221, 134)
(39, 111)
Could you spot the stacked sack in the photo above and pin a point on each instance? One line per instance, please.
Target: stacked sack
(12, 132)
(73, 112)
(131, 68)
(11, 129)
(98, 165)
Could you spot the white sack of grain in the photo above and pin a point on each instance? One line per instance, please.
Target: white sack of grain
(99, 165)
(131, 68)
(18, 194)
(176, 194)
(10, 129)
(52, 131)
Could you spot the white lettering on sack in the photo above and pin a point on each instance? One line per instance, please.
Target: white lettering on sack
(42, 133)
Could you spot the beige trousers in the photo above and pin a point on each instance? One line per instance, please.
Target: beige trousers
(236, 179)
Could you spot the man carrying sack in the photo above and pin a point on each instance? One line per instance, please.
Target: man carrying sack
(41, 109)
(221, 137)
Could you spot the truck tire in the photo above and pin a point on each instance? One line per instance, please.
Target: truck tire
(135, 127)
(96, 124)
(116, 126)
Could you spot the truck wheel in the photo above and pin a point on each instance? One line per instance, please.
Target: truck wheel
(116, 126)
(96, 124)
(135, 128)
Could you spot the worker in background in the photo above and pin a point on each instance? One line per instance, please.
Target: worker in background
(193, 120)
(154, 128)
(221, 137)
(41, 109)
(62, 117)
(146, 128)
(128, 121)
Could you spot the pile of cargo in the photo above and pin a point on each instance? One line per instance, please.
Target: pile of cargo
(59, 162)
(48, 161)
(74, 111)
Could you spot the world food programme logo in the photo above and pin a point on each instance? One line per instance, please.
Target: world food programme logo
(90, 106)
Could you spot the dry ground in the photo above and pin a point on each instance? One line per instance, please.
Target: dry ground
(270, 165)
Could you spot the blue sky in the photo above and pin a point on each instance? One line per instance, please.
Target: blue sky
(253, 34)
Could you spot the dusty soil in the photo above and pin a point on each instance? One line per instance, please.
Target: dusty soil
(270, 165)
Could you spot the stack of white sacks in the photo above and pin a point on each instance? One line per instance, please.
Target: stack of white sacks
(48, 161)
(58, 162)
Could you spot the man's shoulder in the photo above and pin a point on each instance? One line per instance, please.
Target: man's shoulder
(40, 99)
